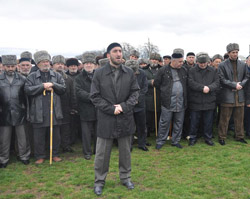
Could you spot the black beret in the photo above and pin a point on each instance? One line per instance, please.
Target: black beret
(24, 59)
(72, 61)
(113, 45)
(190, 54)
(177, 55)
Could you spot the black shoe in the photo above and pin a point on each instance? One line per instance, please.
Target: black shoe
(222, 142)
(191, 142)
(209, 142)
(242, 141)
(177, 145)
(129, 185)
(87, 157)
(158, 146)
(3, 165)
(144, 148)
(68, 149)
(98, 190)
(25, 162)
(148, 144)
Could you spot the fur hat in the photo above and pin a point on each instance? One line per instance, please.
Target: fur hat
(9, 60)
(202, 57)
(26, 54)
(135, 53)
(41, 56)
(155, 56)
(178, 51)
(103, 61)
(58, 59)
(72, 61)
(217, 56)
(134, 65)
(88, 57)
(143, 61)
(232, 46)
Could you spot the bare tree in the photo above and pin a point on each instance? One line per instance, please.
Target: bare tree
(147, 49)
(126, 48)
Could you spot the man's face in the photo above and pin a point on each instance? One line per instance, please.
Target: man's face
(1, 68)
(177, 63)
(132, 57)
(248, 62)
(58, 67)
(44, 65)
(202, 65)
(73, 69)
(89, 67)
(80, 67)
(190, 59)
(10, 69)
(115, 56)
(233, 55)
(25, 67)
(166, 61)
(143, 65)
(154, 62)
(216, 63)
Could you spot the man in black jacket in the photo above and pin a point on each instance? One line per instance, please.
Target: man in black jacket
(87, 109)
(38, 87)
(233, 77)
(203, 82)
(114, 92)
(172, 80)
(13, 111)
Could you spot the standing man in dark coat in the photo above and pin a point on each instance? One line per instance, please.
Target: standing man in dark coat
(114, 92)
(68, 102)
(87, 109)
(233, 77)
(203, 82)
(13, 106)
(38, 87)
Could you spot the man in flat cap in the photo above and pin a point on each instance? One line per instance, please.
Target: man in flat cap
(114, 92)
(166, 59)
(87, 110)
(216, 60)
(172, 81)
(203, 82)
(13, 105)
(68, 102)
(233, 78)
(38, 87)
(134, 55)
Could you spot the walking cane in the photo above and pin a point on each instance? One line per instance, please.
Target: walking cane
(155, 112)
(51, 125)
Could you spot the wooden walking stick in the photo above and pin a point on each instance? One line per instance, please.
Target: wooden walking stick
(155, 112)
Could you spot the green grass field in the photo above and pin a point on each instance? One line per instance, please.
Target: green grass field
(194, 172)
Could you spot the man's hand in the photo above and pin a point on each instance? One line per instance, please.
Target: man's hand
(118, 109)
(238, 86)
(206, 89)
(152, 82)
(48, 86)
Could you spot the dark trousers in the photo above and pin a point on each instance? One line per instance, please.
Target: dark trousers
(238, 114)
(150, 121)
(40, 141)
(65, 135)
(195, 119)
(140, 121)
(88, 131)
(247, 120)
(75, 127)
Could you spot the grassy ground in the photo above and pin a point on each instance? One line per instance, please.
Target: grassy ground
(194, 172)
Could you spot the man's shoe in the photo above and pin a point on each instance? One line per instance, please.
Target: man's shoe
(25, 162)
(222, 142)
(129, 185)
(209, 142)
(242, 141)
(148, 144)
(57, 159)
(177, 145)
(144, 148)
(39, 161)
(3, 165)
(68, 149)
(158, 146)
(98, 190)
(191, 142)
(87, 157)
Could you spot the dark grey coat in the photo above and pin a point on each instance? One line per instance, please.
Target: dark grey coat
(34, 89)
(227, 83)
(197, 79)
(104, 97)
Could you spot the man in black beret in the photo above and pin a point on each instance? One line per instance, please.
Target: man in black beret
(114, 92)
(166, 59)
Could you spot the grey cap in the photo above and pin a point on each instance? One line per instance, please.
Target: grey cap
(143, 61)
(9, 60)
(133, 64)
(135, 53)
(103, 62)
(202, 57)
(26, 54)
(217, 56)
(58, 59)
(155, 56)
(178, 51)
(232, 46)
(88, 57)
(41, 56)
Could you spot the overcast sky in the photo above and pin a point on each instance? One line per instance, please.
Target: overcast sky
(75, 26)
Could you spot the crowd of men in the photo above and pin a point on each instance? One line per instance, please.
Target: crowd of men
(107, 98)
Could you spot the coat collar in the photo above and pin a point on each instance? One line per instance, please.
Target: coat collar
(107, 69)
(38, 73)
(3, 76)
